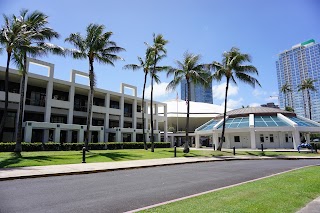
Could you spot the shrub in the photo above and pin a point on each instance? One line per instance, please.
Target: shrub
(51, 146)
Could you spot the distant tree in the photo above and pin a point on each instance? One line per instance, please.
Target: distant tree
(308, 84)
(290, 109)
(192, 71)
(34, 34)
(95, 46)
(158, 51)
(232, 67)
(285, 89)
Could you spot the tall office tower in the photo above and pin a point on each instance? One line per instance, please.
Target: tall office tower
(302, 61)
(199, 93)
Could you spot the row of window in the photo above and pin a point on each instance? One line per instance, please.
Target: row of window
(263, 137)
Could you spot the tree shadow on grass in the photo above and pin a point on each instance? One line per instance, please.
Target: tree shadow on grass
(262, 154)
(16, 158)
(115, 156)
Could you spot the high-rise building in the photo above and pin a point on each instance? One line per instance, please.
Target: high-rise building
(302, 61)
(199, 93)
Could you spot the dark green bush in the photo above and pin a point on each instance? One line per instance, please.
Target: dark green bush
(317, 144)
(51, 146)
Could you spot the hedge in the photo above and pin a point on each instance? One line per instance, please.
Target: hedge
(38, 146)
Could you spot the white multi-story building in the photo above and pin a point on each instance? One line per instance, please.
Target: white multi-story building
(56, 110)
(302, 61)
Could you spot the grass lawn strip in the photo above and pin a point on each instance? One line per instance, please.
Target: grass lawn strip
(286, 192)
(45, 158)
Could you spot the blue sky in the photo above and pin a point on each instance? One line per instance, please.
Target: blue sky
(261, 28)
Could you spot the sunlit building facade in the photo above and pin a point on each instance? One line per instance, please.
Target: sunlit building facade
(302, 61)
(199, 93)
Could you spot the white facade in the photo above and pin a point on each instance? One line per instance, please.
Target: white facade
(284, 130)
(56, 109)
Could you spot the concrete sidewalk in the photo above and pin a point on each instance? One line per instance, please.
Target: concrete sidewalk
(85, 168)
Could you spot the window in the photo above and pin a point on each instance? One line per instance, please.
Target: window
(58, 119)
(261, 138)
(127, 125)
(114, 104)
(98, 101)
(271, 138)
(236, 138)
(127, 110)
(80, 103)
(113, 123)
(138, 108)
(287, 138)
(60, 95)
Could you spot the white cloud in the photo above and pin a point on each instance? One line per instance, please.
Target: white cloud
(159, 90)
(218, 91)
(254, 105)
(257, 93)
(233, 104)
(272, 99)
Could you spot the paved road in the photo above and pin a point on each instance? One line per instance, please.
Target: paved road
(125, 190)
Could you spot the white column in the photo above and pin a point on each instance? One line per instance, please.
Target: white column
(172, 142)
(197, 141)
(134, 136)
(56, 135)
(134, 114)
(28, 132)
(122, 111)
(81, 135)
(253, 138)
(308, 137)
(158, 136)
(47, 112)
(101, 135)
(296, 138)
(215, 139)
(70, 112)
(165, 124)
(118, 135)
(107, 116)
(228, 142)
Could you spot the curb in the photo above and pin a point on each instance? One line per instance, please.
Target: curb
(149, 166)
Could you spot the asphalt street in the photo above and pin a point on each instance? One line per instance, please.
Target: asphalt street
(125, 190)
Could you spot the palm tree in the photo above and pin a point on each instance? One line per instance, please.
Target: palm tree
(95, 46)
(33, 34)
(285, 89)
(158, 51)
(9, 39)
(193, 72)
(308, 84)
(146, 66)
(232, 67)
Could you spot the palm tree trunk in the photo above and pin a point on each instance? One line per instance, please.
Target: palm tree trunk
(143, 111)
(224, 117)
(309, 100)
(285, 101)
(6, 100)
(151, 118)
(89, 111)
(304, 104)
(18, 147)
(186, 144)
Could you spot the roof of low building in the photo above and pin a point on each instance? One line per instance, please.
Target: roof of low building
(178, 108)
(257, 111)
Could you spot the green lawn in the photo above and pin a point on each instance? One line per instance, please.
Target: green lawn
(287, 192)
(43, 158)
